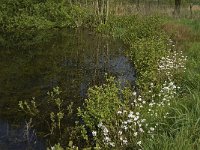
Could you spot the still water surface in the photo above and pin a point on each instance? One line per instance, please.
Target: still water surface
(72, 60)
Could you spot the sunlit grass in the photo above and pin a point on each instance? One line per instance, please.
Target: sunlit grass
(182, 129)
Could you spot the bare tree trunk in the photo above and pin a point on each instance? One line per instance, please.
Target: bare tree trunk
(138, 5)
(158, 3)
(107, 10)
(177, 7)
(191, 13)
(149, 5)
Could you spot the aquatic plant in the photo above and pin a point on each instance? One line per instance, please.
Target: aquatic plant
(51, 114)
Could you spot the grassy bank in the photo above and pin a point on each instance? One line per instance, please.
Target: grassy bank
(160, 112)
(183, 126)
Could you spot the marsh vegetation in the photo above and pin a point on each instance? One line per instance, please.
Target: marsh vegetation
(99, 74)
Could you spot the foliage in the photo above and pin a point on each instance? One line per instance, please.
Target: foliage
(145, 114)
(53, 117)
(23, 21)
(155, 114)
(120, 118)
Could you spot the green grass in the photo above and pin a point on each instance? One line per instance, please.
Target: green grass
(182, 129)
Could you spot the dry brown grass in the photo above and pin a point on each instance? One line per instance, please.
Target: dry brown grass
(178, 31)
(196, 8)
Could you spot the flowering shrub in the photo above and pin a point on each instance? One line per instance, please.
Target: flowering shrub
(122, 124)
(172, 65)
(112, 120)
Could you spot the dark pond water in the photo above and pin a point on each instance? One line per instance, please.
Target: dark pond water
(72, 60)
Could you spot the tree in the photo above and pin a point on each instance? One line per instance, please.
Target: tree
(177, 7)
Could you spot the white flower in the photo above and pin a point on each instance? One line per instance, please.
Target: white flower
(129, 121)
(152, 129)
(143, 120)
(141, 130)
(144, 102)
(125, 127)
(120, 132)
(94, 133)
(131, 116)
(119, 112)
(139, 143)
(100, 124)
(137, 113)
(52, 148)
(125, 122)
(107, 139)
(125, 111)
(136, 118)
(112, 144)
(131, 112)
(134, 93)
(135, 134)
(125, 141)
(105, 130)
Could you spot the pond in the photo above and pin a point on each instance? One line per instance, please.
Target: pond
(74, 60)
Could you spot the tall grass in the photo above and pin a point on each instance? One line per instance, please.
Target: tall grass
(183, 125)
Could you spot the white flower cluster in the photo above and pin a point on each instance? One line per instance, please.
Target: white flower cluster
(107, 139)
(171, 63)
(129, 125)
(162, 99)
(138, 101)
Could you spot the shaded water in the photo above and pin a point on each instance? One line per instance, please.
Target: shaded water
(73, 60)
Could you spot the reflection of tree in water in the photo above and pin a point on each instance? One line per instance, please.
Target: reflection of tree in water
(73, 61)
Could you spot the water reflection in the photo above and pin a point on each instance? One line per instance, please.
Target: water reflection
(73, 60)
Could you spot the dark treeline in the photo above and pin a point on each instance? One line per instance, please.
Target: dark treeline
(19, 16)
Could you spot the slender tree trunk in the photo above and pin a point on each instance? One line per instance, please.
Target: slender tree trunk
(138, 4)
(177, 7)
(107, 10)
(149, 5)
(191, 13)
(158, 3)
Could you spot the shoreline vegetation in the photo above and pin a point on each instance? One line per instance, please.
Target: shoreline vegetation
(162, 110)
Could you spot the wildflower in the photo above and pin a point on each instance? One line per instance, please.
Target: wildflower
(137, 113)
(152, 129)
(141, 130)
(135, 134)
(131, 116)
(105, 130)
(125, 122)
(143, 120)
(112, 144)
(52, 148)
(139, 142)
(94, 133)
(119, 112)
(125, 127)
(136, 118)
(107, 139)
(100, 124)
(125, 141)
(125, 111)
(120, 132)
